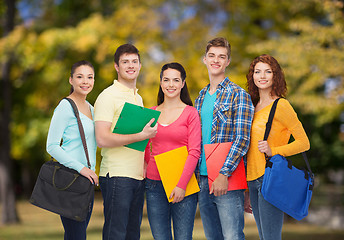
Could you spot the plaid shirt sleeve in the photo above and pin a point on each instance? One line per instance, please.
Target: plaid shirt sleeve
(242, 116)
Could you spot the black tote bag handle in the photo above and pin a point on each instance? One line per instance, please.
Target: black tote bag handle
(268, 128)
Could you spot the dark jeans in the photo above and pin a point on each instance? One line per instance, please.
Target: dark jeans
(123, 204)
(161, 212)
(75, 230)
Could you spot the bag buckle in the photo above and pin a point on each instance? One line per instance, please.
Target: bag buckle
(268, 163)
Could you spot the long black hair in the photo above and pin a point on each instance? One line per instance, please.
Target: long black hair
(184, 94)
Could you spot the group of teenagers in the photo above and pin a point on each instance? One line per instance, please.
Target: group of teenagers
(223, 112)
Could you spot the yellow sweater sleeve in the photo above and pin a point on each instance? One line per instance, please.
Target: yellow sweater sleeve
(287, 122)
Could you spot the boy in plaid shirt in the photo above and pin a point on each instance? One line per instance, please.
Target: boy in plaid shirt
(226, 113)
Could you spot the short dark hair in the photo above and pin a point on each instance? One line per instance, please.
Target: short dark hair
(279, 85)
(219, 42)
(125, 49)
(78, 64)
(184, 94)
(75, 66)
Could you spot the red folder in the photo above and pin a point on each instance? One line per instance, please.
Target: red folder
(215, 155)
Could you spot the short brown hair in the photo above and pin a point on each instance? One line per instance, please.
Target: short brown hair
(219, 42)
(279, 85)
(125, 49)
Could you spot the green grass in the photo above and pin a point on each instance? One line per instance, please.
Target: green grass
(38, 224)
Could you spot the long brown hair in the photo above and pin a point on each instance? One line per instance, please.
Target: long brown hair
(279, 85)
(184, 94)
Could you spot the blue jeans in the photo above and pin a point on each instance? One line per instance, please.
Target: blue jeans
(222, 216)
(269, 219)
(160, 212)
(123, 204)
(75, 230)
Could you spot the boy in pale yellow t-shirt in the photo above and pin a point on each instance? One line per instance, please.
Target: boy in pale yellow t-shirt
(121, 172)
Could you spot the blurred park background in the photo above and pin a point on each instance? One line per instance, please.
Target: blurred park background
(40, 40)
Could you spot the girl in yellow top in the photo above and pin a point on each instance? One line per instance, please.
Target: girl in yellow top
(266, 83)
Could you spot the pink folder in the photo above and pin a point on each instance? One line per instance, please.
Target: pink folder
(216, 155)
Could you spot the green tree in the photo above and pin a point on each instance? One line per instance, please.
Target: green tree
(305, 36)
(41, 65)
(311, 55)
(7, 195)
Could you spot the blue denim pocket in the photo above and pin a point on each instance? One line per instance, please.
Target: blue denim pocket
(150, 184)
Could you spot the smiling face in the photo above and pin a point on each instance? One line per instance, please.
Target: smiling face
(128, 67)
(82, 80)
(171, 83)
(263, 76)
(216, 60)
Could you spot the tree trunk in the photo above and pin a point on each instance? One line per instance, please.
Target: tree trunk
(7, 195)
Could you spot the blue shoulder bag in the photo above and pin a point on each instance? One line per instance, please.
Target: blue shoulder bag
(285, 186)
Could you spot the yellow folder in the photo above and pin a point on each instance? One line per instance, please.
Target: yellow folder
(170, 166)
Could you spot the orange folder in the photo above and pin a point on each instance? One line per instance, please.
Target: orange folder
(170, 166)
(215, 155)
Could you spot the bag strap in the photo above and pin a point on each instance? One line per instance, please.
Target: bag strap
(81, 129)
(268, 128)
(271, 117)
(304, 155)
